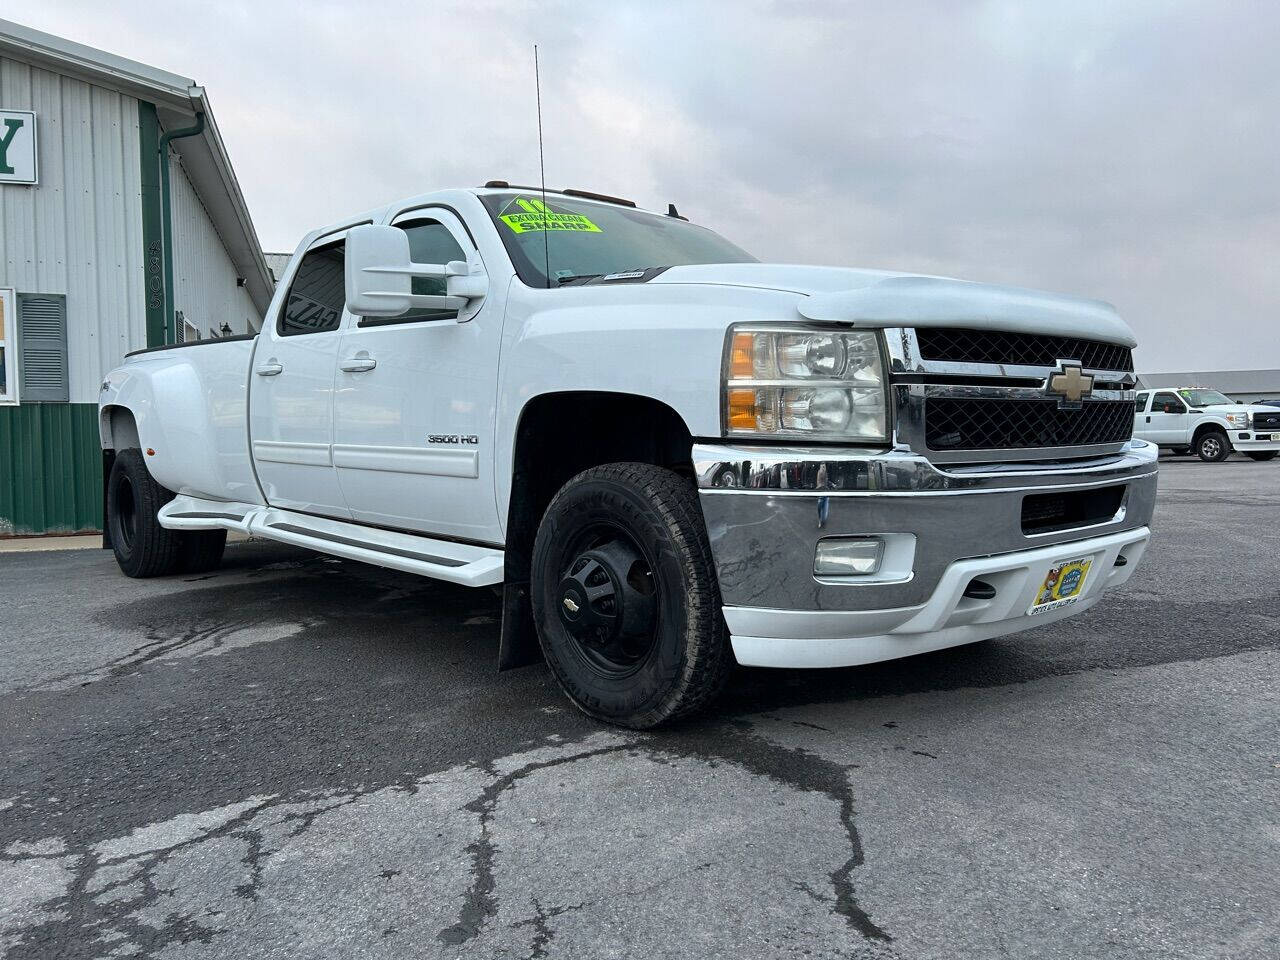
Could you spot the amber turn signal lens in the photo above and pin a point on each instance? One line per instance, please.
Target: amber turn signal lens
(742, 356)
(742, 409)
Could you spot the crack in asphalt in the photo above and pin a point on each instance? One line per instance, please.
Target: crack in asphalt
(479, 903)
(83, 915)
(791, 767)
(797, 769)
(543, 933)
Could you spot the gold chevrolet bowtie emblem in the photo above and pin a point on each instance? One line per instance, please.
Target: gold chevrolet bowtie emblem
(1071, 385)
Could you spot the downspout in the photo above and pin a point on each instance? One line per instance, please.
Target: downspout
(170, 318)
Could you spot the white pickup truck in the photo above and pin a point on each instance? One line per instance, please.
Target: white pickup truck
(1206, 422)
(671, 457)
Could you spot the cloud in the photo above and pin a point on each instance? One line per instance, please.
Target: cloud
(1122, 151)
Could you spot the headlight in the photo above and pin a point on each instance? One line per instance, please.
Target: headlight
(796, 382)
(1238, 419)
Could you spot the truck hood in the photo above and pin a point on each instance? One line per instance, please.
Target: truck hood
(881, 298)
(1237, 408)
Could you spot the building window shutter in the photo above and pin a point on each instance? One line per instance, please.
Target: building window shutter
(42, 347)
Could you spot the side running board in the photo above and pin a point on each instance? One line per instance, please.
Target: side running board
(461, 563)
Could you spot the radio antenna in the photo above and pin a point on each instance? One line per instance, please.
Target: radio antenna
(542, 171)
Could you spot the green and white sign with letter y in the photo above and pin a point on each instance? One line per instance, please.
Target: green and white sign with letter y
(18, 147)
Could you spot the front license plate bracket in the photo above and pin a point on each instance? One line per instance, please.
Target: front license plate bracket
(1062, 585)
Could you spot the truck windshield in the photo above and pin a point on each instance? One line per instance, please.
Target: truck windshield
(586, 239)
(1204, 398)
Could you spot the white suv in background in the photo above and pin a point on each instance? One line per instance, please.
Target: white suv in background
(1185, 419)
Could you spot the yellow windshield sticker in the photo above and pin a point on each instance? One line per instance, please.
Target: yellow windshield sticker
(537, 216)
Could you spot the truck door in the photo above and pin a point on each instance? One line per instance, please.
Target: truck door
(414, 403)
(1141, 428)
(291, 387)
(1169, 424)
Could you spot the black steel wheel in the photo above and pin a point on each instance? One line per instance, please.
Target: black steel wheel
(609, 600)
(142, 547)
(625, 596)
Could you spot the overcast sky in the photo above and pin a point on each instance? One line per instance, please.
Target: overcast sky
(1123, 150)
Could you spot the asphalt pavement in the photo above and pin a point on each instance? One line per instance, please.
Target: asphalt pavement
(297, 756)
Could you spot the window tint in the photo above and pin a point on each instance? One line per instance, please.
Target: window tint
(318, 293)
(1140, 402)
(429, 242)
(1165, 399)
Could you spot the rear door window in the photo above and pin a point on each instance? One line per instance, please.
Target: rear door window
(317, 294)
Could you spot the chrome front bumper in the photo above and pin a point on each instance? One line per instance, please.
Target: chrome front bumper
(767, 508)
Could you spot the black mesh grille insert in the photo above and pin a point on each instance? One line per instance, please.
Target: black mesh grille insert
(1266, 421)
(994, 424)
(994, 346)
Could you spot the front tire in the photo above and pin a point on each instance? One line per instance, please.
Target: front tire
(625, 596)
(1213, 446)
(1262, 455)
(142, 547)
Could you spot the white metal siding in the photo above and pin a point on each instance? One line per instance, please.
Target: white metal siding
(204, 278)
(79, 232)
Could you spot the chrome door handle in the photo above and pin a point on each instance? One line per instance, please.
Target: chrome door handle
(357, 364)
(269, 369)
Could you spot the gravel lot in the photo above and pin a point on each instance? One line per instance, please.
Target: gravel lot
(299, 756)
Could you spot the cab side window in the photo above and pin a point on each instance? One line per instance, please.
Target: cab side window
(1166, 402)
(1140, 402)
(429, 242)
(317, 294)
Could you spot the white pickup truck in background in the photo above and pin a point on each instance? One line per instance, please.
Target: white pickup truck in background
(1207, 423)
(669, 455)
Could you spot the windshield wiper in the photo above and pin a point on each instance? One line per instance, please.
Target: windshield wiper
(578, 276)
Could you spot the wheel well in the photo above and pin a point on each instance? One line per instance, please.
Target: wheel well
(120, 430)
(560, 435)
(1208, 428)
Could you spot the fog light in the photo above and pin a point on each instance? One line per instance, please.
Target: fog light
(847, 556)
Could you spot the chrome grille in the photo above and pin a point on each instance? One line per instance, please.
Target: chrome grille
(989, 399)
(976, 423)
(997, 347)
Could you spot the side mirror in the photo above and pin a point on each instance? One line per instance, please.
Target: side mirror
(380, 272)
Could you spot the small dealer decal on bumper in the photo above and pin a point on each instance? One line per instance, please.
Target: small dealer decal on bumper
(1062, 585)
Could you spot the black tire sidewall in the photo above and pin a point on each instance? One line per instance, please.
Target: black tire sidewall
(1262, 456)
(152, 551)
(201, 551)
(643, 691)
(128, 555)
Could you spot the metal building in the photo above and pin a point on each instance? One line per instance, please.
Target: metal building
(121, 227)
